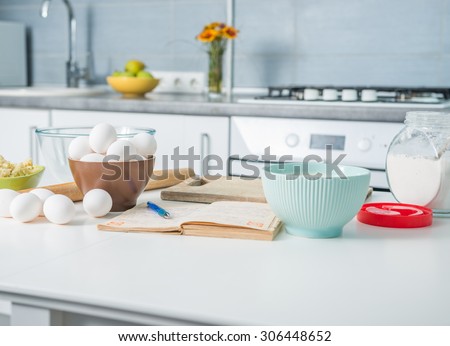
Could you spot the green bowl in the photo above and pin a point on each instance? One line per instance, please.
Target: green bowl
(312, 202)
(24, 182)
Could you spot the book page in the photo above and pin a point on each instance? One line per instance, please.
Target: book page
(238, 214)
(141, 218)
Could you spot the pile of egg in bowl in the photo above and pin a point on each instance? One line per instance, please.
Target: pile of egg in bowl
(102, 143)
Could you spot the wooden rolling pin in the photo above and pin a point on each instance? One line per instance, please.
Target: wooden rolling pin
(159, 179)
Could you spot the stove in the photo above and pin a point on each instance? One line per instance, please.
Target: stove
(363, 143)
(367, 96)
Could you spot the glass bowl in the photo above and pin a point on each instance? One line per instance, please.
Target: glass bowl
(54, 144)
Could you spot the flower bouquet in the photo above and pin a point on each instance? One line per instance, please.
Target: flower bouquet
(215, 36)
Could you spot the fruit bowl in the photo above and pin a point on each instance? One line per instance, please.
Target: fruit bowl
(132, 86)
(23, 182)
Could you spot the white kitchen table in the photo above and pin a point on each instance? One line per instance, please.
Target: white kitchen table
(370, 276)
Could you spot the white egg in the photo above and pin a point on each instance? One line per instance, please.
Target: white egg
(43, 194)
(94, 157)
(6, 196)
(101, 137)
(59, 209)
(145, 144)
(97, 203)
(121, 150)
(25, 207)
(79, 147)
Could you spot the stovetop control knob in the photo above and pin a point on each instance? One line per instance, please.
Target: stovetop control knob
(310, 94)
(292, 140)
(349, 95)
(364, 144)
(369, 95)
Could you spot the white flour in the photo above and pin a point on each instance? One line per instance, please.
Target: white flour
(419, 180)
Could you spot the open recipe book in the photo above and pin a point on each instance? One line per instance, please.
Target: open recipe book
(245, 220)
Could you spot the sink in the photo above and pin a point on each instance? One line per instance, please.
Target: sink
(52, 91)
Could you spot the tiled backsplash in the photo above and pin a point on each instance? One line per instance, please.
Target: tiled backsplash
(402, 42)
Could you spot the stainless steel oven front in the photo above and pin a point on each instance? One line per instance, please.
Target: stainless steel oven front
(362, 143)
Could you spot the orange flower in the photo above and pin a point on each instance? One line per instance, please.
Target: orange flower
(229, 32)
(207, 35)
(215, 26)
(217, 32)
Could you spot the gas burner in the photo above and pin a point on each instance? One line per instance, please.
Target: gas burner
(364, 94)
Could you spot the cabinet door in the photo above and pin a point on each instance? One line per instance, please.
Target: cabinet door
(169, 128)
(17, 139)
(209, 138)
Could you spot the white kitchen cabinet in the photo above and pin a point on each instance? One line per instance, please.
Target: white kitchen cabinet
(207, 135)
(17, 139)
(209, 138)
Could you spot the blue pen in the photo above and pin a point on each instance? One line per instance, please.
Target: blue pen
(161, 212)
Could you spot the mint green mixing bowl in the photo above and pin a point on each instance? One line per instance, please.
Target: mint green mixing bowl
(314, 208)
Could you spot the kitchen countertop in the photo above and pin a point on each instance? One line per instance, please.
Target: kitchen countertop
(201, 105)
(369, 276)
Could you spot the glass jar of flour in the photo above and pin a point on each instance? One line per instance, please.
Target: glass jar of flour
(418, 162)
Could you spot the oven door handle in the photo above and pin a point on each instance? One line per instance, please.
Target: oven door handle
(205, 151)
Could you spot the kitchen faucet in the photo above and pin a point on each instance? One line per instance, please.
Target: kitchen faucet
(73, 72)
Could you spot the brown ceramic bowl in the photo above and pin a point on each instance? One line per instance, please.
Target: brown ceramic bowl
(124, 181)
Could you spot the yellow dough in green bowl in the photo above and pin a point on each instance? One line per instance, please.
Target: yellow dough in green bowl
(23, 182)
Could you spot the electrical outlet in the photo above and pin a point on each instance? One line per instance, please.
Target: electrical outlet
(180, 82)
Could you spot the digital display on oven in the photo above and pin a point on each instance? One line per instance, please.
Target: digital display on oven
(320, 141)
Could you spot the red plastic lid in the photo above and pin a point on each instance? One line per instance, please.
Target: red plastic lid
(395, 215)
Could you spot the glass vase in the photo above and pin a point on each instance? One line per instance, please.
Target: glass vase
(215, 72)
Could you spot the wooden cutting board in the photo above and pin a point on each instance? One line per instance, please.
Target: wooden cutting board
(202, 190)
(159, 180)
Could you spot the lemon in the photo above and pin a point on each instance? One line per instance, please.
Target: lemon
(134, 66)
(144, 74)
(127, 74)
